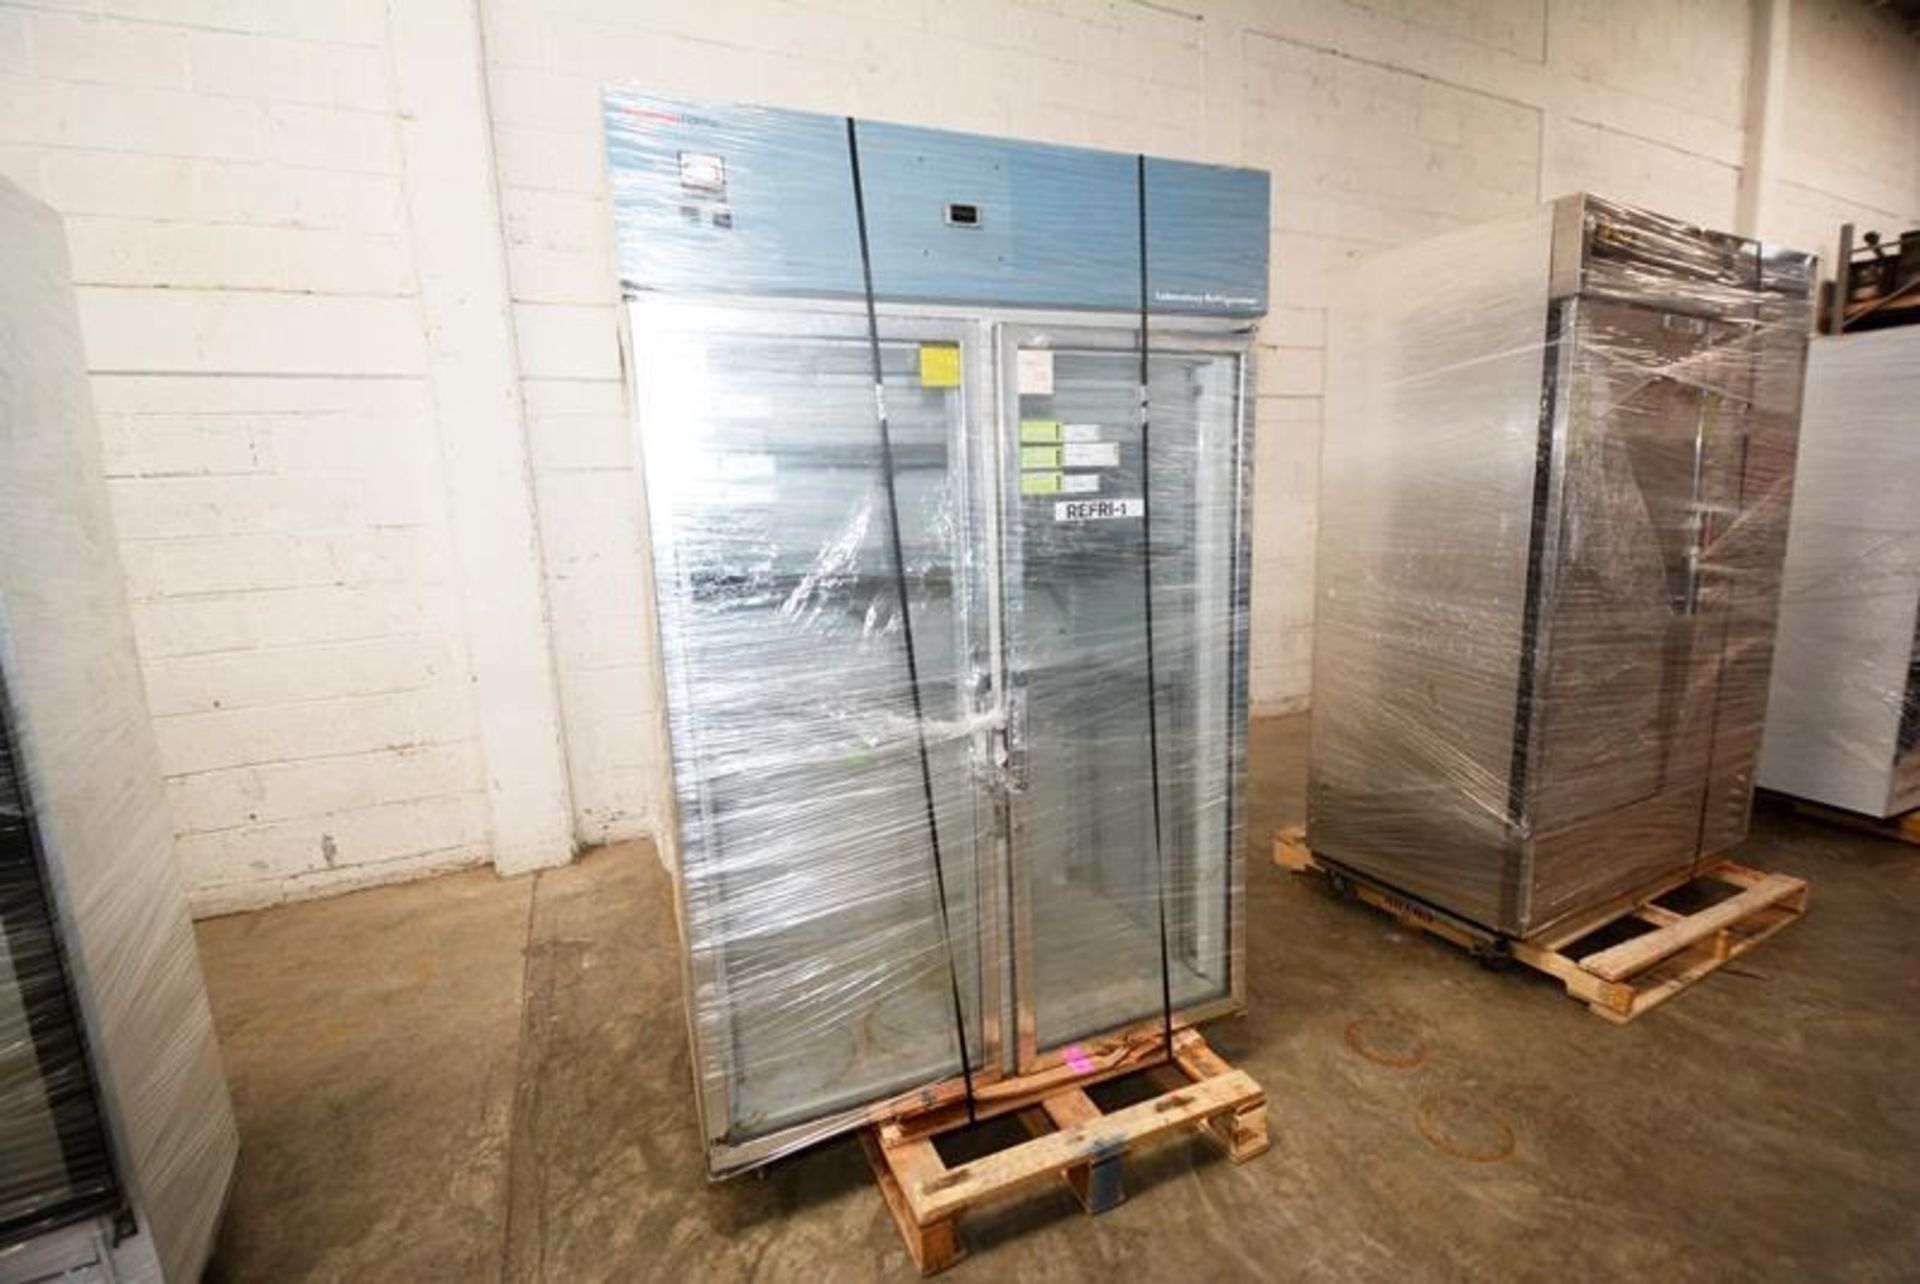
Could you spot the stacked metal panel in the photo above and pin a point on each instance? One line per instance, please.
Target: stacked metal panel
(1555, 485)
(952, 633)
(1843, 727)
(117, 1140)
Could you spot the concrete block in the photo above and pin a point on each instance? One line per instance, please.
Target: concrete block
(547, 100)
(51, 113)
(174, 122)
(180, 446)
(334, 138)
(543, 160)
(563, 276)
(107, 51)
(207, 802)
(1593, 158)
(571, 442)
(1691, 56)
(262, 677)
(360, 837)
(15, 53)
(361, 22)
(240, 332)
(567, 342)
(563, 221)
(200, 626)
(259, 67)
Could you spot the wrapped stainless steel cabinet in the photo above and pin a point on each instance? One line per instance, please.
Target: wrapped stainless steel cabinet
(1843, 727)
(117, 1140)
(847, 923)
(1555, 483)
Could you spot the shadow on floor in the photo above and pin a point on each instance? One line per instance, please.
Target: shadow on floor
(477, 1079)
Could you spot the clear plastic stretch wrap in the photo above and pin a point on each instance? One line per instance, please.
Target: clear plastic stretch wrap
(954, 760)
(1556, 478)
(117, 1140)
(1843, 727)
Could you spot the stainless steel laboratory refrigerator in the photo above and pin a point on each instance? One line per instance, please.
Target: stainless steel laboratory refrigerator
(953, 675)
(117, 1141)
(1556, 476)
(1843, 727)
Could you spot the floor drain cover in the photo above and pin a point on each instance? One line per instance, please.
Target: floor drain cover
(1461, 1128)
(1387, 1042)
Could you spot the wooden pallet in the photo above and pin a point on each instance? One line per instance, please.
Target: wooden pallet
(1904, 828)
(1073, 1140)
(1618, 981)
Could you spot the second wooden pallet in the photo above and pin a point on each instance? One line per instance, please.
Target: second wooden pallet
(1618, 981)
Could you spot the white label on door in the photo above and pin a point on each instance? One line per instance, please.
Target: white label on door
(1097, 510)
(1080, 483)
(1079, 432)
(1035, 369)
(1090, 454)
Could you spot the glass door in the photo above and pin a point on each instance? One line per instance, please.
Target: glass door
(822, 964)
(1092, 891)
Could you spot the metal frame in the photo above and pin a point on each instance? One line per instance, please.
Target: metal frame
(1106, 336)
(704, 969)
(982, 335)
(1570, 298)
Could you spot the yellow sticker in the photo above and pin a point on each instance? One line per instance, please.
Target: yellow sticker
(939, 365)
(1039, 456)
(1039, 430)
(1039, 483)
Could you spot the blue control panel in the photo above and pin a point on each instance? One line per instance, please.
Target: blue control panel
(727, 199)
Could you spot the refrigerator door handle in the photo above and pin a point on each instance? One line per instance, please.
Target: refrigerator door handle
(1698, 556)
(1013, 739)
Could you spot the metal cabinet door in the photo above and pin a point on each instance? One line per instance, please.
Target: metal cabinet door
(819, 952)
(1634, 630)
(1092, 891)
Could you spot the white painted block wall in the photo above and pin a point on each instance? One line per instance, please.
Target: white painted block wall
(311, 410)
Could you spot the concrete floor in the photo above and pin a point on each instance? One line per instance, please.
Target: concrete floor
(472, 1079)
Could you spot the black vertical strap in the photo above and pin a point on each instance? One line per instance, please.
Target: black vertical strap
(906, 611)
(1146, 581)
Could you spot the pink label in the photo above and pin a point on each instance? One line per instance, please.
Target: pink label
(1076, 1059)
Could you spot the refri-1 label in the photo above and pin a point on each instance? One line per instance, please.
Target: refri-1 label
(1098, 510)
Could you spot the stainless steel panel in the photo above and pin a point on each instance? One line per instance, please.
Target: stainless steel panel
(1514, 746)
(1639, 602)
(1434, 424)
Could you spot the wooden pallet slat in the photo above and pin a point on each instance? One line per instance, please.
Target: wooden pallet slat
(944, 1106)
(1678, 931)
(1072, 1140)
(1621, 981)
(999, 1175)
(933, 1248)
